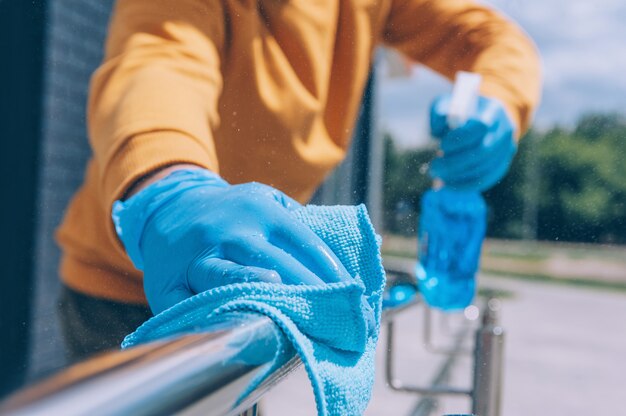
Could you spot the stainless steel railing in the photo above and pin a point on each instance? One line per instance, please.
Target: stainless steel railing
(190, 372)
(207, 373)
(487, 353)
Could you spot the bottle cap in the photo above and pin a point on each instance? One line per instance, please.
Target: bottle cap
(464, 98)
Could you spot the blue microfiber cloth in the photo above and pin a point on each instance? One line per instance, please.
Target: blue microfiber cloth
(326, 325)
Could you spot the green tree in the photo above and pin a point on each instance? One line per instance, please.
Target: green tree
(564, 184)
(583, 192)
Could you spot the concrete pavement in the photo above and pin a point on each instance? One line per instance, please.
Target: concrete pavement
(565, 356)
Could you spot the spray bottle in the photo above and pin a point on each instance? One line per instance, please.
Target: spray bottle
(452, 223)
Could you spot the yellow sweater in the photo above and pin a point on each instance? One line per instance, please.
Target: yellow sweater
(262, 91)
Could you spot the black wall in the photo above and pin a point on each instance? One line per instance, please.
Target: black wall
(48, 51)
(21, 63)
(75, 33)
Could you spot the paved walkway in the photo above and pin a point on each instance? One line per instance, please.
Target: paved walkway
(566, 351)
(565, 356)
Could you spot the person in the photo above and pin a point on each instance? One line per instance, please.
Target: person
(210, 120)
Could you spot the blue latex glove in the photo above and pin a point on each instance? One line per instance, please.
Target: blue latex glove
(477, 154)
(192, 231)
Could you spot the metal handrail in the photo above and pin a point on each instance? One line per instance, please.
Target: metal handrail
(207, 373)
(488, 350)
(209, 370)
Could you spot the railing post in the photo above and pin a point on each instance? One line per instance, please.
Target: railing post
(488, 369)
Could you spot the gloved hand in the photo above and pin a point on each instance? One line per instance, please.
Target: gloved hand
(477, 154)
(192, 231)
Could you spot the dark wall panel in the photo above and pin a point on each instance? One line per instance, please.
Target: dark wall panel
(21, 51)
(75, 36)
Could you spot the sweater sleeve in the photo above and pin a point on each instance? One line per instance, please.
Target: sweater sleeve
(153, 102)
(453, 35)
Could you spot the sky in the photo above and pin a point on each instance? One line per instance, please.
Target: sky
(583, 51)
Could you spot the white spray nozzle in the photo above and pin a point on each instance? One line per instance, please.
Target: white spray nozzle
(464, 98)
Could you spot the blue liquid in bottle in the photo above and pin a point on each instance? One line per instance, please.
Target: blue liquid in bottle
(451, 232)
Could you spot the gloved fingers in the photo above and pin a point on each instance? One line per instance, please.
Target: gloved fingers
(502, 132)
(494, 116)
(472, 164)
(490, 111)
(260, 253)
(271, 193)
(282, 198)
(439, 116)
(493, 176)
(478, 181)
(504, 156)
(286, 201)
(162, 301)
(302, 243)
(487, 174)
(456, 167)
(464, 138)
(208, 273)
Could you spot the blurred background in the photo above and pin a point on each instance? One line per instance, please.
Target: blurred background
(556, 247)
(557, 222)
